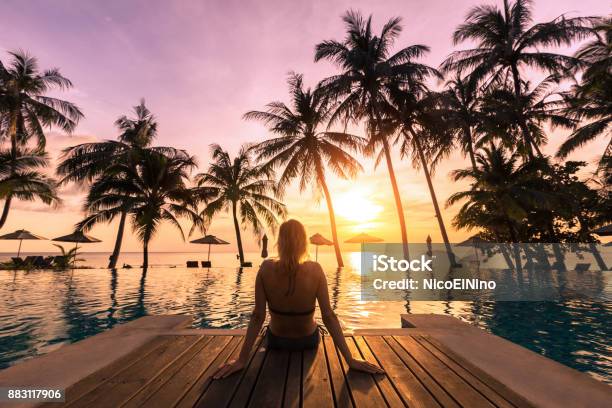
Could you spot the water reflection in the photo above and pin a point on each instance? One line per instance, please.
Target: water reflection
(41, 310)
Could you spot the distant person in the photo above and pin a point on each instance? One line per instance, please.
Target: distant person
(290, 286)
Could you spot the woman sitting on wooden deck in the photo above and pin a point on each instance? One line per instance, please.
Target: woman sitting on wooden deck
(290, 286)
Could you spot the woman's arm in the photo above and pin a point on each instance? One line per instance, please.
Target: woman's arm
(257, 319)
(333, 326)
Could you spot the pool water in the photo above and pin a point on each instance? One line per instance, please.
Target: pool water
(43, 310)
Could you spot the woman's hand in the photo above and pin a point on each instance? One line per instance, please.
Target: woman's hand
(362, 365)
(228, 369)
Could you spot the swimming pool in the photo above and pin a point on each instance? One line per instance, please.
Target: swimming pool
(42, 310)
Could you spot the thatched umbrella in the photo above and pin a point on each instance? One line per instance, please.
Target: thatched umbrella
(78, 237)
(363, 238)
(20, 235)
(209, 240)
(477, 242)
(317, 240)
(604, 231)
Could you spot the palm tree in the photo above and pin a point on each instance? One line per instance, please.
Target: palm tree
(84, 163)
(25, 109)
(153, 191)
(21, 178)
(462, 114)
(506, 42)
(501, 194)
(369, 73)
(591, 100)
(303, 148)
(419, 120)
(502, 114)
(241, 187)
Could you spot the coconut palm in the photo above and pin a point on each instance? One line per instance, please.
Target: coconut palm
(25, 109)
(507, 42)
(243, 188)
(502, 114)
(85, 162)
(369, 72)
(501, 195)
(591, 100)
(303, 148)
(153, 191)
(462, 114)
(21, 178)
(419, 121)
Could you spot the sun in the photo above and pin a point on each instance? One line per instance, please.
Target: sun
(356, 205)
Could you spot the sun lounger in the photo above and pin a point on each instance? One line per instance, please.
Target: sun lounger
(206, 264)
(17, 261)
(247, 264)
(582, 267)
(192, 264)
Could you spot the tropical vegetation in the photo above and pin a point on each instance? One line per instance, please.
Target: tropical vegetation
(479, 102)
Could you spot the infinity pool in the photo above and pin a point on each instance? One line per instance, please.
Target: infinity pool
(42, 310)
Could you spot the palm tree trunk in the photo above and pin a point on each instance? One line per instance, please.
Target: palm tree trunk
(332, 221)
(398, 200)
(115, 255)
(527, 139)
(449, 250)
(5, 210)
(238, 237)
(145, 254)
(470, 146)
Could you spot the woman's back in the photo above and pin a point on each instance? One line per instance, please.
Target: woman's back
(291, 298)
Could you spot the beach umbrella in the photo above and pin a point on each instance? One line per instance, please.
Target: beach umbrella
(264, 246)
(209, 240)
(78, 237)
(477, 242)
(604, 231)
(474, 240)
(20, 235)
(317, 240)
(363, 238)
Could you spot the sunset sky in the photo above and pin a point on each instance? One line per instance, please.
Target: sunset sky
(200, 65)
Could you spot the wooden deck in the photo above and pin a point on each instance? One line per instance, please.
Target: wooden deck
(175, 371)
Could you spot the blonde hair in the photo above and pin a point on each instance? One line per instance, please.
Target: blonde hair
(292, 247)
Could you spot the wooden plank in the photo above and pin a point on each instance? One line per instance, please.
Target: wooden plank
(363, 387)
(451, 357)
(428, 382)
(461, 391)
(199, 377)
(158, 383)
(270, 385)
(412, 391)
(342, 393)
(220, 392)
(248, 380)
(384, 384)
(316, 385)
(121, 387)
(293, 385)
(94, 380)
(462, 372)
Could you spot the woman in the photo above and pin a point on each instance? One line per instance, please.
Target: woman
(290, 286)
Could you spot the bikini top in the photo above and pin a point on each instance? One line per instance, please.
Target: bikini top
(279, 312)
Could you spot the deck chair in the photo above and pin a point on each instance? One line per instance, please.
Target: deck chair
(582, 267)
(246, 264)
(192, 264)
(206, 264)
(17, 261)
